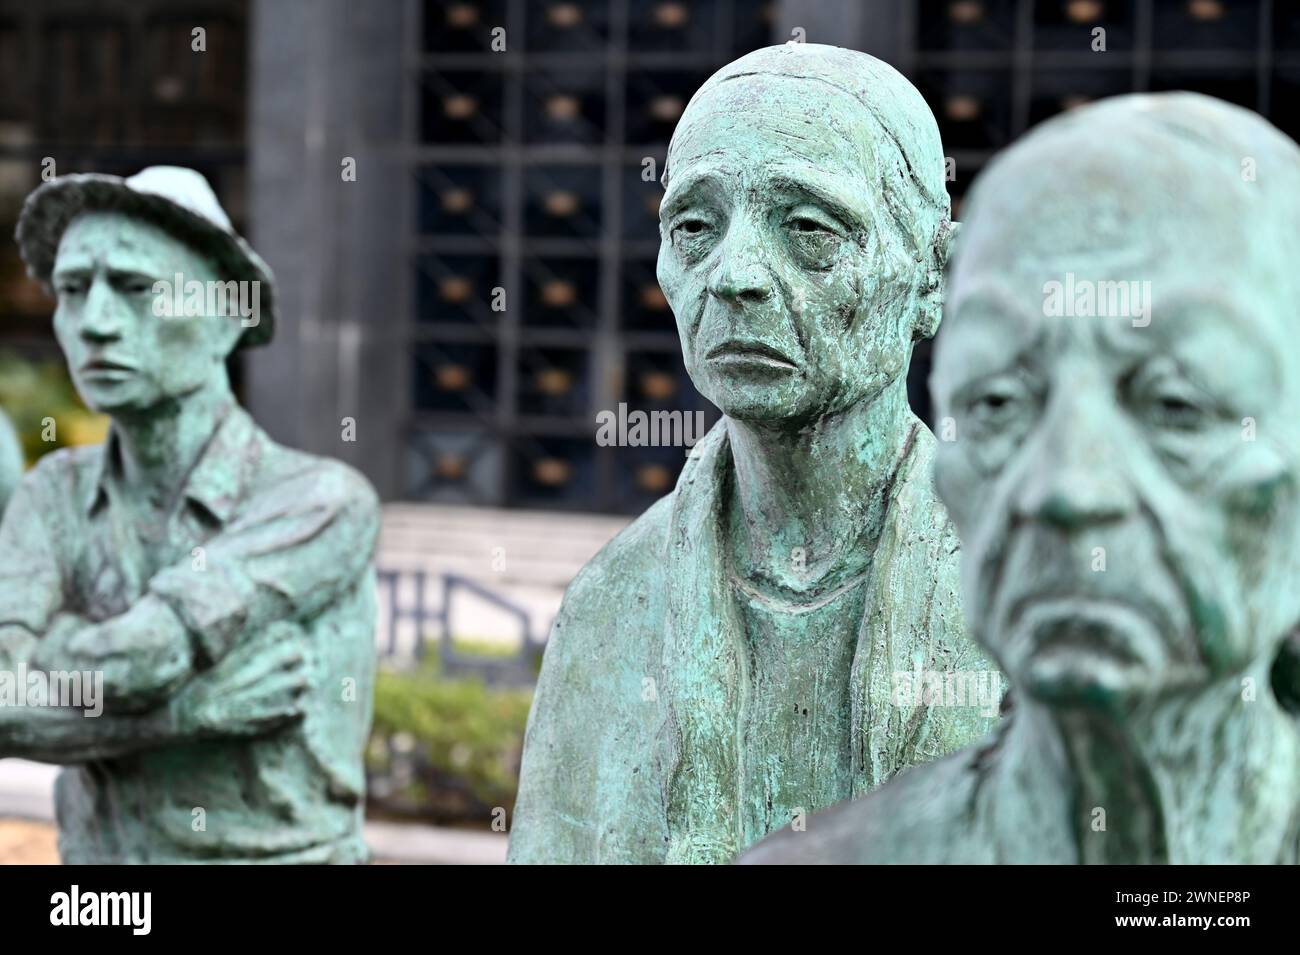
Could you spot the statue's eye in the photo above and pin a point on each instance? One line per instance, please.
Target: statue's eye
(692, 236)
(802, 224)
(992, 405)
(1172, 410)
(807, 220)
(1167, 400)
(814, 235)
(134, 286)
(997, 403)
(70, 287)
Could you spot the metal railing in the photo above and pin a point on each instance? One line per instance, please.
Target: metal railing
(516, 669)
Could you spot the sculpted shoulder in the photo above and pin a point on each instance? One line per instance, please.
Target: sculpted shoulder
(11, 460)
(293, 476)
(65, 472)
(280, 464)
(588, 791)
(68, 460)
(623, 583)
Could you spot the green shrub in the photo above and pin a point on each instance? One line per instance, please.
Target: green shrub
(447, 749)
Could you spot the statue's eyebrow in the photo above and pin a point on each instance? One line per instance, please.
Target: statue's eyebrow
(840, 203)
(81, 265)
(683, 188)
(997, 300)
(1015, 321)
(118, 274)
(1181, 307)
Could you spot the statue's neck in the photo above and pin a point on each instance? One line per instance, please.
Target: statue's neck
(806, 496)
(1203, 777)
(160, 445)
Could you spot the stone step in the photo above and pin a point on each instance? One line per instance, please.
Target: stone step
(542, 551)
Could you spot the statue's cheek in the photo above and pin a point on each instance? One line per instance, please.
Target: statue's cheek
(681, 285)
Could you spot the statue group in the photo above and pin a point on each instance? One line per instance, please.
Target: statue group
(1116, 403)
(762, 665)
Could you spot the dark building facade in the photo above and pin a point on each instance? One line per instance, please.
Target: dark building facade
(459, 197)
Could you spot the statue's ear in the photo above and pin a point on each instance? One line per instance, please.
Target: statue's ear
(228, 330)
(931, 311)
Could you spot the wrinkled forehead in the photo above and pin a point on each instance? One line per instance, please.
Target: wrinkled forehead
(123, 241)
(1120, 189)
(1083, 217)
(1096, 265)
(744, 125)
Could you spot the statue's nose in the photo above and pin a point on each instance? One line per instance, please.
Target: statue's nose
(101, 318)
(1076, 477)
(742, 273)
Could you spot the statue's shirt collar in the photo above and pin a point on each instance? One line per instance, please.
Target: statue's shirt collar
(215, 482)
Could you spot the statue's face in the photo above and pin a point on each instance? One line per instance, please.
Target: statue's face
(122, 355)
(1125, 492)
(788, 281)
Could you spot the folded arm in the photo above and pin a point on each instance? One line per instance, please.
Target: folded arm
(255, 690)
(292, 552)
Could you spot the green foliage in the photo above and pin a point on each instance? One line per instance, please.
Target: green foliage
(450, 746)
(30, 392)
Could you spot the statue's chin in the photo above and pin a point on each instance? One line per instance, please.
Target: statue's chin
(757, 407)
(112, 403)
(102, 403)
(782, 406)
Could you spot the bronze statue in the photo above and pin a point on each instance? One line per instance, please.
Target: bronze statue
(201, 574)
(728, 663)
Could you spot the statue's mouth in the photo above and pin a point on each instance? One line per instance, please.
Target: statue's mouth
(98, 366)
(749, 353)
(1119, 629)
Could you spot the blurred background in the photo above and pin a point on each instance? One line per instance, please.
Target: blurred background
(484, 286)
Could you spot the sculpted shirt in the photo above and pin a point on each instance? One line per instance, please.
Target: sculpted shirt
(795, 748)
(263, 538)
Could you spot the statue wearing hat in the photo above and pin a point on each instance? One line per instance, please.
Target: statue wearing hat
(215, 586)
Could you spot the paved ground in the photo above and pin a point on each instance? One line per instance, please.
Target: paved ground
(23, 842)
(27, 831)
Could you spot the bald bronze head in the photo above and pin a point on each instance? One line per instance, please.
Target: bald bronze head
(1119, 370)
(805, 227)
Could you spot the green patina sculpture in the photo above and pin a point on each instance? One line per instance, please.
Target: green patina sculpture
(1124, 481)
(217, 583)
(11, 461)
(728, 663)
